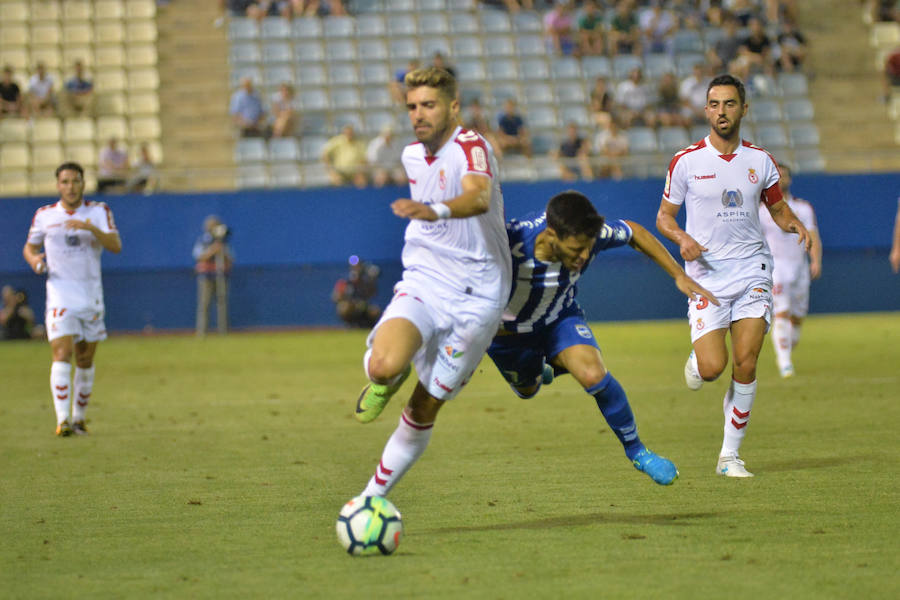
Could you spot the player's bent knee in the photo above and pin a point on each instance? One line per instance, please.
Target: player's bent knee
(381, 368)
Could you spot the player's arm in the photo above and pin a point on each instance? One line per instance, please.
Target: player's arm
(110, 240)
(785, 218)
(474, 200)
(895, 246)
(644, 241)
(35, 258)
(815, 254)
(668, 226)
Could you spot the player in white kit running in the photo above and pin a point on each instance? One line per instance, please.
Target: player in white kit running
(794, 270)
(456, 274)
(72, 234)
(721, 180)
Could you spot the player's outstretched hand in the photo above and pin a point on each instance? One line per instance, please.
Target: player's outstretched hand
(410, 209)
(692, 289)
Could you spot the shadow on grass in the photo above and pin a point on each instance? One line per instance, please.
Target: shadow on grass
(677, 519)
(815, 463)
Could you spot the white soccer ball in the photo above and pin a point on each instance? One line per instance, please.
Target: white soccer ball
(369, 525)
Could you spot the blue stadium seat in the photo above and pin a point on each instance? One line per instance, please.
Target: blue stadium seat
(349, 117)
(244, 52)
(275, 75)
(311, 75)
(687, 41)
(803, 134)
(507, 90)
(502, 69)
(285, 175)
(305, 28)
(684, 63)
(530, 45)
(371, 25)
(642, 140)
(623, 64)
(284, 150)
(432, 5)
(313, 99)
(499, 45)
(338, 27)
(242, 29)
(314, 124)
(596, 66)
(402, 25)
(765, 111)
(340, 50)
(537, 92)
(250, 150)
(376, 96)
(571, 92)
(543, 142)
(463, 23)
(342, 74)
(534, 68)
(698, 132)
(404, 48)
(311, 147)
(309, 52)
(433, 24)
(374, 49)
(672, 139)
(376, 120)
(435, 43)
(793, 84)
(542, 117)
(575, 113)
(400, 6)
(273, 28)
(471, 69)
(374, 73)
(772, 137)
(466, 47)
(808, 161)
(657, 65)
(495, 21)
(799, 109)
(239, 72)
(567, 67)
(251, 176)
(277, 52)
(527, 21)
(345, 98)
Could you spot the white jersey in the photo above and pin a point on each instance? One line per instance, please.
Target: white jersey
(72, 255)
(470, 254)
(784, 245)
(721, 194)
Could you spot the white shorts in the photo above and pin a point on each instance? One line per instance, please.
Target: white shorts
(790, 292)
(744, 291)
(85, 324)
(456, 330)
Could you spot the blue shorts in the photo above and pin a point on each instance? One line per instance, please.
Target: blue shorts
(520, 357)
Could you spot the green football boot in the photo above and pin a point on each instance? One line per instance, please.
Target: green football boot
(375, 396)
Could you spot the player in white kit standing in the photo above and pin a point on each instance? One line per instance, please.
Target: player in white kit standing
(794, 270)
(72, 234)
(456, 274)
(721, 180)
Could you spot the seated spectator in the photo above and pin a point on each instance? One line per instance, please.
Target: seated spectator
(79, 93)
(112, 167)
(513, 6)
(601, 102)
(669, 107)
(692, 92)
(41, 98)
(10, 95)
(317, 8)
(573, 156)
(284, 114)
(512, 134)
(559, 28)
(658, 26)
(475, 119)
(145, 177)
(634, 100)
(891, 74)
(611, 145)
(247, 110)
(397, 87)
(591, 31)
(758, 55)
(16, 317)
(439, 61)
(383, 155)
(743, 10)
(624, 31)
(721, 54)
(344, 156)
(791, 48)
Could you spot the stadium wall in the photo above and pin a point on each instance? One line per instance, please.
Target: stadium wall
(292, 245)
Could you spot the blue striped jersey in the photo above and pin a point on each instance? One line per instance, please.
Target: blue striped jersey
(540, 290)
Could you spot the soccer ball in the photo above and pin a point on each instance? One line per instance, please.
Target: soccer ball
(369, 525)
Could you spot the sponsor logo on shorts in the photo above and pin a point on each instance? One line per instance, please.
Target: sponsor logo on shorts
(584, 331)
(438, 383)
(752, 176)
(759, 293)
(453, 352)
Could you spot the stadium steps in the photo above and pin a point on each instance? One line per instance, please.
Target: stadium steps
(856, 134)
(193, 95)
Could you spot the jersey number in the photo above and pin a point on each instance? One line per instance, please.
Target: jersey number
(58, 312)
(702, 304)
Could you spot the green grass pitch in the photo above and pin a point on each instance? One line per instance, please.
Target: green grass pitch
(216, 469)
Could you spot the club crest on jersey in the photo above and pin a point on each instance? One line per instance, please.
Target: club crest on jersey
(752, 176)
(584, 331)
(732, 199)
(442, 181)
(452, 352)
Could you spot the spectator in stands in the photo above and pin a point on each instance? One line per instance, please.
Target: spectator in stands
(383, 156)
(10, 95)
(611, 145)
(573, 156)
(591, 31)
(16, 317)
(559, 28)
(624, 30)
(894, 256)
(669, 108)
(247, 110)
(318, 8)
(476, 120)
(634, 100)
(396, 88)
(658, 26)
(891, 73)
(41, 97)
(439, 61)
(512, 134)
(743, 11)
(112, 167)
(725, 49)
(145, 177)
(759, 49)
(791, 47)
(513, 6)
(344, 156)
(78, 94)
(692, 92)
(284, 114)
(601, 102)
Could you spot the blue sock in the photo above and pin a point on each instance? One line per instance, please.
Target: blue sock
(613, 403)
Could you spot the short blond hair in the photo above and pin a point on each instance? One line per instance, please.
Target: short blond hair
(433, 77)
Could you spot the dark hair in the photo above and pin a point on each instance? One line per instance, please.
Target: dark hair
(70, 166)
(570, 213)
(727, 79)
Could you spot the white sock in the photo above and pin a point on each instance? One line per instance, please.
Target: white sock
(403, 449)
(796, 328)
(60, 385)
(84, 383)
(781, 339)
(737, 415)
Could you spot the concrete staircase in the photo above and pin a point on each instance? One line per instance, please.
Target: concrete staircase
(193, 67)
(855, 129)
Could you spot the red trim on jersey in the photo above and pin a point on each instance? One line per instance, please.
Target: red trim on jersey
(41, 209)
(678, 155)
(109, 218)
(727, 157)
(475, 149)
(430, 159)
(772, 195)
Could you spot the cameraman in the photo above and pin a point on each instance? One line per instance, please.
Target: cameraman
(213, 257)
(353, 295)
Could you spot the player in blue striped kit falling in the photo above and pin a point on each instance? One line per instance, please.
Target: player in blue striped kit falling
(544, 331)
